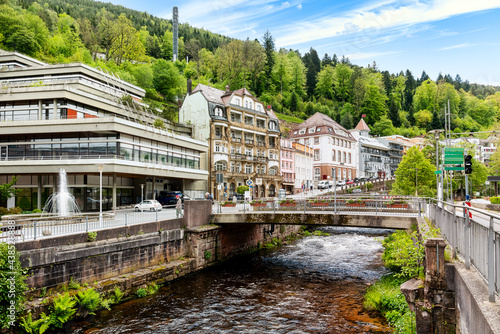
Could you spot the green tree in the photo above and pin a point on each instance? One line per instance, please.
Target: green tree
(406, 175)
(269, 46)
(479, 174)
(342, 81)
(7, 190)
(324, 86)
(166, 79)
(494, 165)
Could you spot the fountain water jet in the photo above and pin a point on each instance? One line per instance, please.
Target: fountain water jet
(62, 202)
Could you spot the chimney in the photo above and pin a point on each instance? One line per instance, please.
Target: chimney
(227, 88)
(189, 86)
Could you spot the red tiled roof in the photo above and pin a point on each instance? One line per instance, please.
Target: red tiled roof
(362, 125)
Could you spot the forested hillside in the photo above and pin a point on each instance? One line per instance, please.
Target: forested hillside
(137, 46)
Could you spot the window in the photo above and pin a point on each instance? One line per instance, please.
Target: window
(248, 169)
(258, 169)
(333, 155)
(217, 147)
(349, 174)
(220, 166)
(316, 154)
(232, 167)
(337, 141)
(316, 140)
(218, 111)
(272, 125)
(311, 130)
(317, 174)
(349, 160)
(218, 132)
(318, 129)
(339, 156)
(232, 150)
(343, 157)
(306, 141)
(301, 132)
(246, 104)
(333, 173)
(263, 169)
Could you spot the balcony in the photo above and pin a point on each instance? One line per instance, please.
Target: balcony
(272, 145)
(238, 156)
(261, 143)
(249, 141)
(395, 153)
(236, 139)
(373, 159)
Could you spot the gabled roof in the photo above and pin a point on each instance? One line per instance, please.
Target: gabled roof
(362, 126)
(210, 93)
(322, 121)
(271, 114)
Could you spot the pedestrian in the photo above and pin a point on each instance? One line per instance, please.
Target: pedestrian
(235, 199)
(178, 207)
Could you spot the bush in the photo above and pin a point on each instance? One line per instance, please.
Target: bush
(12, 285)
(404, 253)
(495, 200)
(242, 189)
(89, 301)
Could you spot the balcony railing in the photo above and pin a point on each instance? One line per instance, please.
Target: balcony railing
(236, 139)
(249, 141)
(261, 143)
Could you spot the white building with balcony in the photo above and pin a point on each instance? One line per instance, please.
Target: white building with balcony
(333, 146)
(75, 117)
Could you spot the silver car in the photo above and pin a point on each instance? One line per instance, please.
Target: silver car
(148, 205)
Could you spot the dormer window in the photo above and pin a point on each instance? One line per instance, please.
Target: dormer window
(246, 104)
(303, 131)
(311, 130)
(218, 111)
(272, 125)
(318, 129)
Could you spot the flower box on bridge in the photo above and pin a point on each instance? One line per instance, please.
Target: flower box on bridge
(288, 204)
(258, 204)
(228, 205)
(398, 206)
(356, 204)
(317, 204)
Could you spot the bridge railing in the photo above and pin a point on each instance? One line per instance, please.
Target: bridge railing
(363, 205)
(474, 234)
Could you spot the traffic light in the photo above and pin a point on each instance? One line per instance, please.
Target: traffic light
(468, 164)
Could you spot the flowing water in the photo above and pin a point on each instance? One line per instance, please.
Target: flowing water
(62, 202)
(315, 285)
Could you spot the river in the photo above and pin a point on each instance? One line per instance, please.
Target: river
(313, 285)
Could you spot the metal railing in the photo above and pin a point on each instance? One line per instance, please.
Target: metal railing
(361, 205)
(476, 239)
(27, 228)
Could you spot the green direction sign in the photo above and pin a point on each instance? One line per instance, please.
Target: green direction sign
(437, 172)
(453, 156)
(454, 168)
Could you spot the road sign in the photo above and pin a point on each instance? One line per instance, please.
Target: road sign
(453, 168)
(437, 172)
(249, 183)
(453, 156)
(258, 181)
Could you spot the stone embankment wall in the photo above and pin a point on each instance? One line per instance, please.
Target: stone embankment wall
(135, 255)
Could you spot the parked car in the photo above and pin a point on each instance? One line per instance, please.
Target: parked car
(341, 183)
(363, 179)
(356, 191)
(170, 197)
(325, 184)
(349, 182)
(148, 205)
(356, 180)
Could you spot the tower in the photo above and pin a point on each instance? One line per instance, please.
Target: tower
(175, 22)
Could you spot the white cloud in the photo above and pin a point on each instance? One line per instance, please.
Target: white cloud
(299, 6)
(379, 16)
(370, 55)
(458, 46)
(285, 4)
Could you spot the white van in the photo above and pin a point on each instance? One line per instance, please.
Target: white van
(281, 194)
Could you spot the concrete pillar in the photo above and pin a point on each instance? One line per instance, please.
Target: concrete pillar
(114, 191)
(197, 213)
(55, 109)
(40, 114)
(434, 263)
(154, 187)
(39, 193)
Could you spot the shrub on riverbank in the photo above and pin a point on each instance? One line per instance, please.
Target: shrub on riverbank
(385, 297)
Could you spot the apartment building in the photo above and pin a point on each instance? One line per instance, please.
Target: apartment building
(287, 159)
(303, 163)
(371, 156)
(80, 119)
(243, 138)
(333, 147)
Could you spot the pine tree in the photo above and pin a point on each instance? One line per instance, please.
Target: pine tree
(269, 46)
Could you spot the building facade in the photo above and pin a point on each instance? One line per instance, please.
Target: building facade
(76, 118)
(287, 159)
(371, 156)
(303, 162)
(396, 152)
(333, 147)
(243, 137)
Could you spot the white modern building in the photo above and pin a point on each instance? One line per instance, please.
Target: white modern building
(371, 156)
(77, 118)
(303, 163)
(334, 147)
(287, 158)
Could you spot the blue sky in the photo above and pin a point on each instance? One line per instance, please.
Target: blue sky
(448, 36)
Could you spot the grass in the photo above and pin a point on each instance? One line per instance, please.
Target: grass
(288, 118)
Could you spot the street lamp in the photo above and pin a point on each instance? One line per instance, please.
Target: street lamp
(100, 167)
(436, 136)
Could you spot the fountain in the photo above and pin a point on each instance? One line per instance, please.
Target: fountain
(62, 202)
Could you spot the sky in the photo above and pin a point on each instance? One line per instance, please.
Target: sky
(448, 36)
